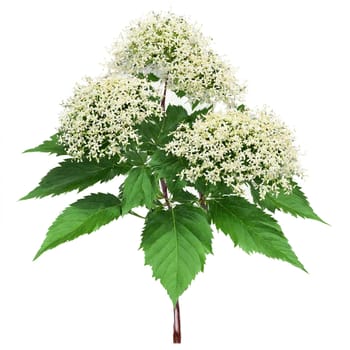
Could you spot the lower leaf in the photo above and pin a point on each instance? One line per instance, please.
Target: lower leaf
(71, 175)
(50, 146)
(294, 203)
(251, 229)
(84, 216)
(176, 242)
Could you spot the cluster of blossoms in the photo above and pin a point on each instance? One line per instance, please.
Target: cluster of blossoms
(176, 51)
(237, 149)
(99, 119)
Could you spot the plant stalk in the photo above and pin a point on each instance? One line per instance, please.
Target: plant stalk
(177, 324)
(162, 181)
(165, 192)
(202, 201)
(162, 103)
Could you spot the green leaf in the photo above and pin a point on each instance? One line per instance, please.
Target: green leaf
(218, 189)
(71, 175)
(50, 146)
(173, 117)
(152, 77)
(294, 203)
(176, 242)
(149, 130)
(241, 108)
(192, 117)
(182, 196)
(136, 158)
(195, 104)
(84, 216)
(180, 93)
(251, 229)
(168, 167)
(139, 188)
(149, 77)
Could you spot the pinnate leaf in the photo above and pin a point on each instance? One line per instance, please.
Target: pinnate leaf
(140, 188)
(84, 216)
(176, 242)
(294, 203)
(183, 196)
(180, 93)
(71, 175)
(168, 167)
(149, 130)
(152, 77)
(251, 229)
(174, 116)
(199, 112)
(50, 146)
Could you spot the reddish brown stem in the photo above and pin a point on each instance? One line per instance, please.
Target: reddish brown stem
(165, 192)
(162, 181)
(177, 324)
(162, 103)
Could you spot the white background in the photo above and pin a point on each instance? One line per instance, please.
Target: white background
(95, 293)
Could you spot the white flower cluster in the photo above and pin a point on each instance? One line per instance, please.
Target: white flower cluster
(176, 51)
(237, 149)
(99, 119)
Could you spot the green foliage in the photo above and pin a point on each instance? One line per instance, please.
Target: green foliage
(149, 131)
(182, 196)
(241, 108)
(209, 189)
(152, 77)
(71, 175)
(294, 203)
(180, 93)
(176, 242)
(164, 165)
(155, 133)
(136, 158)
(84, 216)
(195, 104)
(149, 77)
(167, 167)
(174, 116)
(50, 146)
(198, 112)
(140, 188)
(251, 229)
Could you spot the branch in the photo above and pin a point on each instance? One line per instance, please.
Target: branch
(162, 103)
(165, 192)
(202, 201)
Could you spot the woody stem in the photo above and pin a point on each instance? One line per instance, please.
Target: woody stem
(177, 324)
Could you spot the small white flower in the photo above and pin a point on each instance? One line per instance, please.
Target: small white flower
(99, 119)
(237, 149)
(174, 50)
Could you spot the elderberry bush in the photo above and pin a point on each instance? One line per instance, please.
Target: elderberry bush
(206, 162)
